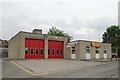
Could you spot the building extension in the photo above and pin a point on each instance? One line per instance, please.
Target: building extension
(89, 50)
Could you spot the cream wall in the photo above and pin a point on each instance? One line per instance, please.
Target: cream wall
(13, 47)
(80, 50)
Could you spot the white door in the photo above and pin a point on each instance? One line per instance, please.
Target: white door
(105, 56)
(87, 52)
(97, 56)
(105, 53)
(87, 56)
(97, 53)
(72, 56)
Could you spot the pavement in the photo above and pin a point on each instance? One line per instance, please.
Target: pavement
(48, 66)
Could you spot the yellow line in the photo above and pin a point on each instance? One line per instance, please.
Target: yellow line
(21, 67)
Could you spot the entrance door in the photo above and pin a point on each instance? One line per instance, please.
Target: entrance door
(34, 48)
(55, 49)
(73, 53)
(87, 52)
(97, 53)
(97, 56)
(105, 53)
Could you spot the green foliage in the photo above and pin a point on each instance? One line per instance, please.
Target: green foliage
(56, 32)
(116, 49)
(112, 35)
(6, 46)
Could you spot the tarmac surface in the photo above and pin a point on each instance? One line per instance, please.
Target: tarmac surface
(57, 68)
(43, 66)
(10, 70)
(109, 70)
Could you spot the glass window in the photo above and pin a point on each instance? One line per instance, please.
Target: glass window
(36, 50)
(87, 49)
(105, 50)
(41, 51)
(97, 50)
(53, 51)
(31, 51)
(26, 51)
(48, 51)
(61, 52)
(73, 51)
(57, 51)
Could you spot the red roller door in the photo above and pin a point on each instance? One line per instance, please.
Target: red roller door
(34, 48)
(55, 49)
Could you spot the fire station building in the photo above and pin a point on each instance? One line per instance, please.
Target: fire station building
(89, 50)
(35, 45)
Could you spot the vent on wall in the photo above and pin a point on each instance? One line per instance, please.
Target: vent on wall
(37, 31)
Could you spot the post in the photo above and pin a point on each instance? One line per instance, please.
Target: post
(46, 47)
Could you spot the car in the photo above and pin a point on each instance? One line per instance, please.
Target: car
(114, 55)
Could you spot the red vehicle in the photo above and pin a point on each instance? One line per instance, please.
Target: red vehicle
(114, 55)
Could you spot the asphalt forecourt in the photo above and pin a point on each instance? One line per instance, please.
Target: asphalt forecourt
(48, 66)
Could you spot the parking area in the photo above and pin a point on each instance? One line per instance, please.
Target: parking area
(47, 66)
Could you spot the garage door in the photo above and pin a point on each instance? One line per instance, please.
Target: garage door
(34, 48)
(55, 49)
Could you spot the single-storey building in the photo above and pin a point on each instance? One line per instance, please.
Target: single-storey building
(35, 45)
(89, 50)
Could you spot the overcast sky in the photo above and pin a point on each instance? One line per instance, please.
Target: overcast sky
(82, 19)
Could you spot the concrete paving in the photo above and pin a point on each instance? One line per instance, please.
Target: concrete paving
(46, 66)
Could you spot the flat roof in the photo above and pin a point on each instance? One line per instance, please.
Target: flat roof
(32, 33)
(86, 41)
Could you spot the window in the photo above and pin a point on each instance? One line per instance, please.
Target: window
(36, 50)
(73, 51)
(48, 51)
(57, 51)
(31, 51)
(41, 51)
(52, 51)
(105, 50)
(61, 52)
(87, 49)
(97, 50)
(26, 51)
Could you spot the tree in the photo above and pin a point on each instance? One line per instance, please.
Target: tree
(112, 35)
(56, 32)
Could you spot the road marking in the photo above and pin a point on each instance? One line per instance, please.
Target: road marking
(21, 67)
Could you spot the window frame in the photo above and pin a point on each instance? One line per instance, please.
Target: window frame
(88, 49)
(57, 51)
(53, 51)
(48, 51)
(97, 50)
(33, 51)
(61, 50)
(105, 50)
(25, 51)
(42, 51)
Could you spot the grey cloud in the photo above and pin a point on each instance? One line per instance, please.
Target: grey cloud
(15, 19)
